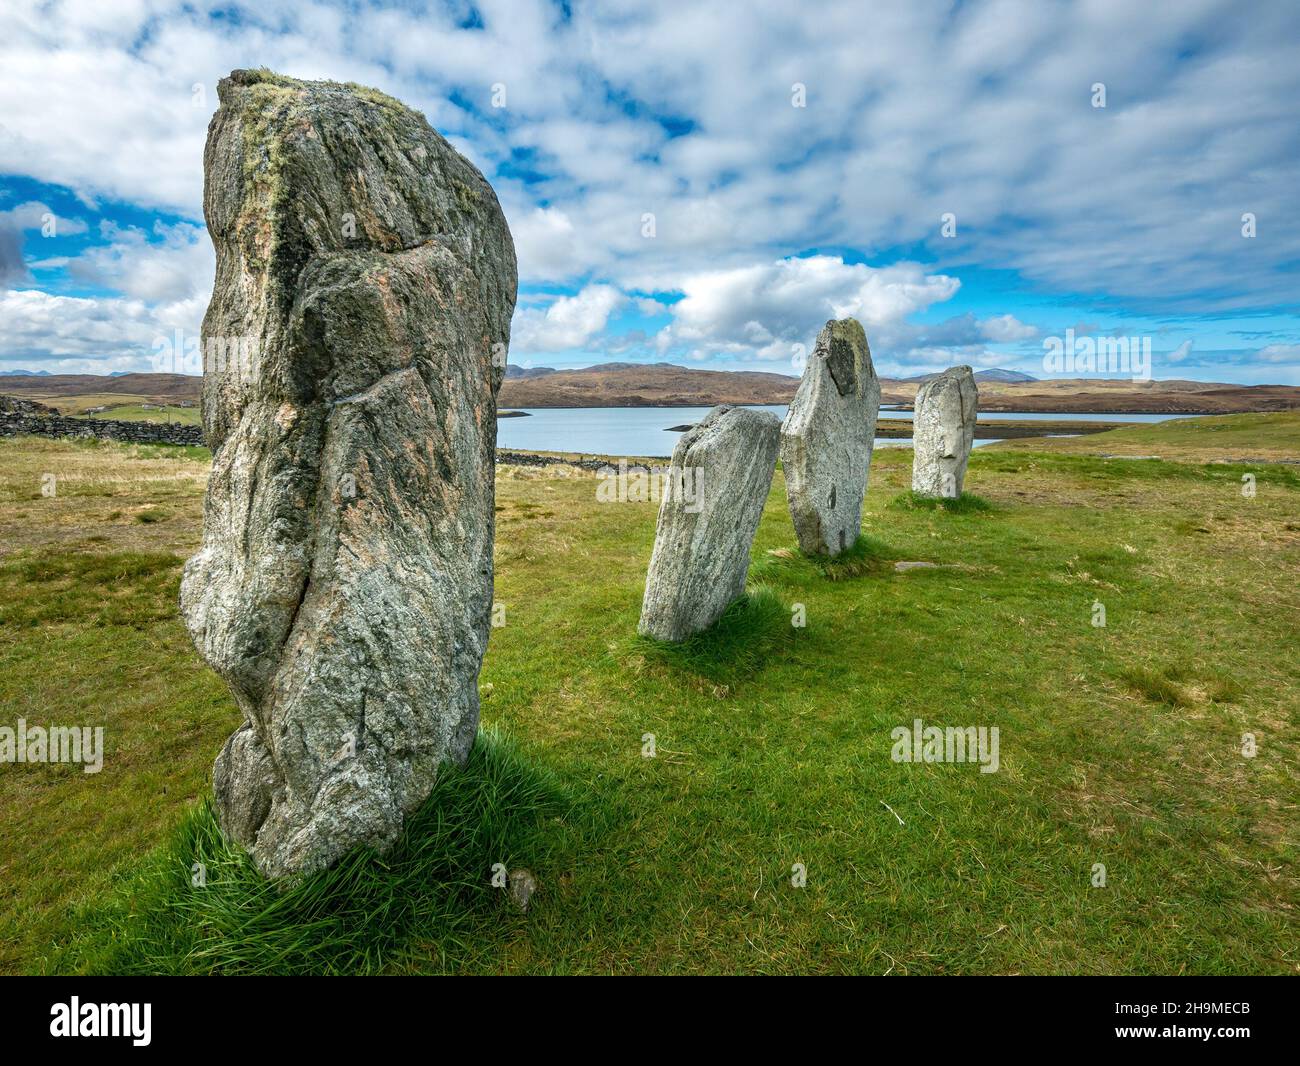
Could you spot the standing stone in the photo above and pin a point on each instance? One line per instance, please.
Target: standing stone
(827, 438)
(943, 427)
(353, 349)
(718, 483)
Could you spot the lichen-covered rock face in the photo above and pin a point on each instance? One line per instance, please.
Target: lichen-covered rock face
(718, 482)
(827, 439)
(943, 428)
(354, 346)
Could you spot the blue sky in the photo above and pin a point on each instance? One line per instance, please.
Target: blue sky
(707, 184)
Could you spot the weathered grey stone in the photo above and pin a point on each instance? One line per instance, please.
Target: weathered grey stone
(827, 438)
(364, 289)
(943, 427)
(718, 482)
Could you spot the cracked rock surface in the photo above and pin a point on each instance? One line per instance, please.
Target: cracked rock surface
(718, 482)
(943, 429)
(827, 439)
(353, 348)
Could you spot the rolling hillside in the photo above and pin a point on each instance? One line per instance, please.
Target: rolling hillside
(668, 385)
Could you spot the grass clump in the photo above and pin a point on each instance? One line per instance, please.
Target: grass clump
(966, 503)
(1158, 686)
(1178, 685)
(356, 917)
(108, 589)
(737, 645)
(867, 555)
(787, 566)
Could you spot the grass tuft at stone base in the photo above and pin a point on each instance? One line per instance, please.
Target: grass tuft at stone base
(966, 503)
(737, 645)
(197, 904)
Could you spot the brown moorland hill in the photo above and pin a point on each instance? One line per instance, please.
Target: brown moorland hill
(654, 385)
(668, 385)
(161, 387)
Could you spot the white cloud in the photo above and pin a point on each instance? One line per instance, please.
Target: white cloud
(1142, 197)
(1279, 353)
(34, 215)
(546, 240)
(1006, 329)
(73, 334)
(568, 322)
(177, 264)
(770, 307)
(681, 110)
(36, 325)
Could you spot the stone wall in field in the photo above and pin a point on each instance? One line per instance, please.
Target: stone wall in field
(14, 405)
(16, 424)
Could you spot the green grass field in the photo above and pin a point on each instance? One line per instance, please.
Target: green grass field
(1119, 745)
(1224, 437)
(122, 407)
(136, 412)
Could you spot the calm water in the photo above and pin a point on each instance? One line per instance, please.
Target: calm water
(643, 430)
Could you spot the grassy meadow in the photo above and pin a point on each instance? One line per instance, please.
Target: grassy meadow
(121, 407)
(1120, 745)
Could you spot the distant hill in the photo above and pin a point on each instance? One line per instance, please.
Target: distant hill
(669, 385)
(24, 373)
(646, 385)
(513, 371)
(157, 387)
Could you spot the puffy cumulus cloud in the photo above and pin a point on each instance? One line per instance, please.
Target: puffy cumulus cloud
(681, 111)
(545, 239)
(38, 327)
(161, 284)
(763, 311)
(925, 359)
(964, 331)
(99, 335)
(1279, 353)
(677, 108)
(568, 322)
(34, 215)
(1007, 329)
(170, 264)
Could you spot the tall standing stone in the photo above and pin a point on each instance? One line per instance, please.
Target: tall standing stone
(354, 346)
(827, 439)
(943, 428)
(718, 482)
